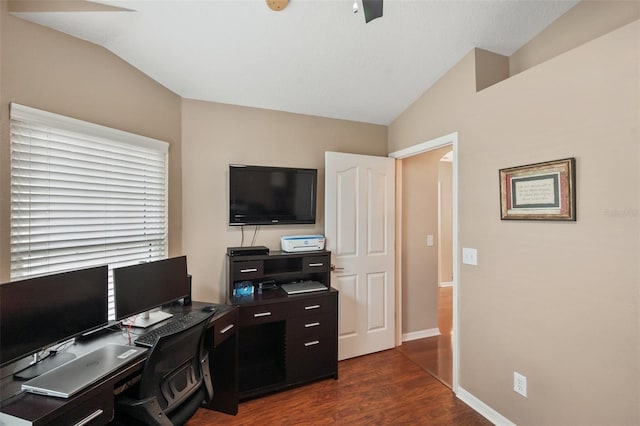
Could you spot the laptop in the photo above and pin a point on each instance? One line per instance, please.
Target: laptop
(70, 378)
(303, 287)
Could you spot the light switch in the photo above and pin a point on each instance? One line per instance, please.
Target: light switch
(469, 256)
(429, 240)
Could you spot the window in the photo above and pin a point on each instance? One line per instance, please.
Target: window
(83, 195)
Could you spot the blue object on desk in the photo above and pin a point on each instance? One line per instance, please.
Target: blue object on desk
(244, 288)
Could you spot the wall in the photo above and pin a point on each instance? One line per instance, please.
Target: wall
(215, 135)
(46, 69)
(557, 302)
(419, 261)
(584, 22)
(445, 174)
(436, 113)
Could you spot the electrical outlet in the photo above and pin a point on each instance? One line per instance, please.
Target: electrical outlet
(519, 383)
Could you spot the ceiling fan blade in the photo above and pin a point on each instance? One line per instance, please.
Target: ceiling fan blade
(372, 9)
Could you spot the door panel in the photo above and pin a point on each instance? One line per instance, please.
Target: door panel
(348, 286)
(346, 189)
(377, 293)
(377, 220)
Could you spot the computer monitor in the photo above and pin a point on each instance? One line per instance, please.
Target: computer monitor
(37, 313)
(142, 287)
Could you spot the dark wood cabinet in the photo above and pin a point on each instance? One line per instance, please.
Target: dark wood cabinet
(284, 340)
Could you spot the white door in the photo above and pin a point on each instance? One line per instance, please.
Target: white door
(360, 232)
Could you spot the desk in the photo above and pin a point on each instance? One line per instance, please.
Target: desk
(95, 404)
(284, 340)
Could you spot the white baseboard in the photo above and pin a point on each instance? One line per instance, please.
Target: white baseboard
(487, 412)
(414, 335)
(446, 284)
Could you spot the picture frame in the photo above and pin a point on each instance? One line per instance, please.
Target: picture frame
(540, 191)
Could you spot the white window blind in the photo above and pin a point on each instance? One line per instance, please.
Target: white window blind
(83, 195)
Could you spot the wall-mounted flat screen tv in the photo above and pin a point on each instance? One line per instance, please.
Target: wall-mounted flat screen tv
(261, 195)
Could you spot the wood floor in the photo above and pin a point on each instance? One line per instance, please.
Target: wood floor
(384, 388)
(435, 354)
(402, 386)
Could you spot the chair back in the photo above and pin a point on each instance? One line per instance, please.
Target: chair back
(173, 370)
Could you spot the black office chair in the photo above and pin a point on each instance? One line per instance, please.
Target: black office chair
(174, 383)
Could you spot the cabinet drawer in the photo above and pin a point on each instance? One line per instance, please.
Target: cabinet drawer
(314, 305)
(312, 327)
(315, 264)
(94, 408)
(224, 328)
(309, 359)
(247, 270)
(251, 315)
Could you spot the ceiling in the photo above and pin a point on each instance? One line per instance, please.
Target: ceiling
(315, 57)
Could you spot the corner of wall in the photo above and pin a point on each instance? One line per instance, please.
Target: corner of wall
(490, 68)
(584, 22)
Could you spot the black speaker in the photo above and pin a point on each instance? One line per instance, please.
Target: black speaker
(187, 300)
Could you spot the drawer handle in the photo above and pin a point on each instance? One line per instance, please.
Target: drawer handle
(227, 328)
(314, 342)
(308, 308)
(315, 264)
(261, 314)
(244, 271)
(312, 324)
(90, 417)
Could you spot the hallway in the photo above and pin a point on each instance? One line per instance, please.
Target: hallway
(435, 354)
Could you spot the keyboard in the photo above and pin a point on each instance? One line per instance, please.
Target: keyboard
(176, 325)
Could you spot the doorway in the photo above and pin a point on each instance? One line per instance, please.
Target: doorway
(415, 323)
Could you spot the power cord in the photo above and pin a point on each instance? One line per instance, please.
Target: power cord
(255, 233)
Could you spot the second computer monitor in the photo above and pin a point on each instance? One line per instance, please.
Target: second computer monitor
(142, 287)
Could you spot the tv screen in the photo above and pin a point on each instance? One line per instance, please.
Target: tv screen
(39, 312)
(260, 195)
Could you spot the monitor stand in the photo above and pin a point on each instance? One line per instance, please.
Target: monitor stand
(40, 365)
(150, 318)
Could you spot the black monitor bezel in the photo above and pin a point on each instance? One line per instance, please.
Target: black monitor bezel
(35, 300)
(133, 286)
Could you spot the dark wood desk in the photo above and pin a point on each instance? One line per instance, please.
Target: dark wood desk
(284, 340)
(94, 405)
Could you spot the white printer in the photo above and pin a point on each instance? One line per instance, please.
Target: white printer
(298, 243)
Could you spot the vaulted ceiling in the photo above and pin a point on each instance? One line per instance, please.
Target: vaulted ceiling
(314, 57)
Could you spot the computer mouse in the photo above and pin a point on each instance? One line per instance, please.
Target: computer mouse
(209, 309)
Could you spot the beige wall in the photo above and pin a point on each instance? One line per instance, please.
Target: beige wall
(46, 69)
(436, 113)
(215, 135)
(445, 174)
(584, 22)
(557, 302)
(419, 261)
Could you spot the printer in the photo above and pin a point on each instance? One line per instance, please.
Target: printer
(301, 243)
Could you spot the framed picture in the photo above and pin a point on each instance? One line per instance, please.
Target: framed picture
(542, 191)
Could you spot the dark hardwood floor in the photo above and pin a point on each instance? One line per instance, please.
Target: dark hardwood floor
(384, 388)
(435, 354)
